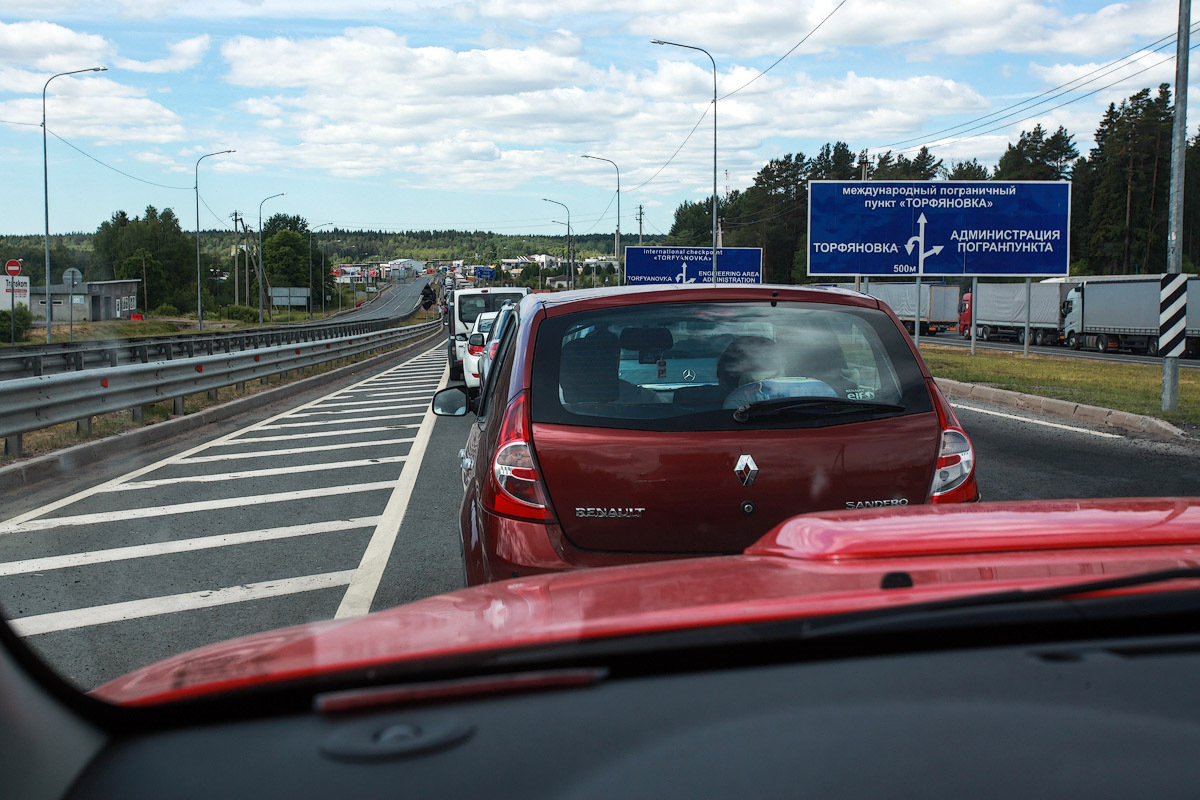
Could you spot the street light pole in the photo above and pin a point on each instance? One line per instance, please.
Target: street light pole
(262, 267)
(570, 262)
(714, 197)
(617, 246)
(310, 268)
(46, 195)
(199, 284)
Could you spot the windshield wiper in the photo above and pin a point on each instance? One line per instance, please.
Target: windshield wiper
(901, 617)
(824, 405)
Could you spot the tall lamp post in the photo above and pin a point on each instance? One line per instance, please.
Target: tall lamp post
(199, 283)
(310, 268)
(46, 194)
(570, 262)
(262, 267)
(714, 197)
(617, 246)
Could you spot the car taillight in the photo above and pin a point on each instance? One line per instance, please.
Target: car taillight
(516, 488)
(492, 348)
(954, 472)
(474, 349)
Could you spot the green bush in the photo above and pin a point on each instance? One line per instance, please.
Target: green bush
(24, 323)
(242, 313)
(166, 310)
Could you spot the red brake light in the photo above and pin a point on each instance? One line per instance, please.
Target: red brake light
(954, 473)
(516, 488)
(474, 349)
(493, 348)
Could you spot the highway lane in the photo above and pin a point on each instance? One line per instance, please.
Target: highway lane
(289, 519)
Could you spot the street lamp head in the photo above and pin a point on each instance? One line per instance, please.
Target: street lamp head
(657, 41)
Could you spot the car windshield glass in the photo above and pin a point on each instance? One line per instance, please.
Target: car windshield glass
(673, 365)
(389, 332)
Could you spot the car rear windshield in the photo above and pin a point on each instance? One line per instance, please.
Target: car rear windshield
(689, 366)
(471, 306)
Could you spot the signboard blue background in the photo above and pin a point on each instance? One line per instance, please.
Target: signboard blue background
(692, 265)
(910, 228)
(486, 273)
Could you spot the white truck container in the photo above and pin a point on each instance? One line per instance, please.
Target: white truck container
(1123, 314)
(938, 305)
(1000, 311)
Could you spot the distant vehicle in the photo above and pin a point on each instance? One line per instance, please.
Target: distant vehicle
(475, 340)
(939, 303)
(1000, 312)
(1123, 314)
(634, 424)
(464, 307)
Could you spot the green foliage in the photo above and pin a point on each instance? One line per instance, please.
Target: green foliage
(1038, 157)
(241, 313)
(285, 257)
(152, 248)
(968, 171)
(24, 321)
(166, 310)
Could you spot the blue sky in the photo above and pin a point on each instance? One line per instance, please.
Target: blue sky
(440, 114)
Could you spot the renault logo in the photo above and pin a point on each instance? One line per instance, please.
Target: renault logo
(746, 470)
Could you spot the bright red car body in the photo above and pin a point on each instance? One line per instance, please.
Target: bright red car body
(648, 423)
(810, 566)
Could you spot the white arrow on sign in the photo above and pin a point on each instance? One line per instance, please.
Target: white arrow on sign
(919, 241)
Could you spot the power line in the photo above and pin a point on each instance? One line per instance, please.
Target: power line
(114, 169)
(788, 53)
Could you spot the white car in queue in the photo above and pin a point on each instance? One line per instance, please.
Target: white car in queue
(475, 343)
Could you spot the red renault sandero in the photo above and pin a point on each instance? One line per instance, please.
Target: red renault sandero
(653, 422)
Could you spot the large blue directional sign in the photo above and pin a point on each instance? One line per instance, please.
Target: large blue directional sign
(978, 228)
(692, 265)
(485, 273)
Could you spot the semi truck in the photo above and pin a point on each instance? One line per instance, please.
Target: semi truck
(1000, 311)
(1123, 314)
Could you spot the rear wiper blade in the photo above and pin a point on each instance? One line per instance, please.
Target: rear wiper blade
(902, 615)
(787, 405)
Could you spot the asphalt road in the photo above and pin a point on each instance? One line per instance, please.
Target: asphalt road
(345, 500)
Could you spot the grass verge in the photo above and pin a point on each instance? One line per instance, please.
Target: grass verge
(1135, 388)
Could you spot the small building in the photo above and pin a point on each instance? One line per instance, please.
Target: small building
(91, 301)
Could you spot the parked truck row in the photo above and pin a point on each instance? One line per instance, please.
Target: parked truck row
(937, 311)
(1103, 314)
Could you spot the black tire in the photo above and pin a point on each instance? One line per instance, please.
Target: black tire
(985, 333)
(1039, 337)
(1073, 340)
(1152, 346)
(1020, 336)
(1102, 343)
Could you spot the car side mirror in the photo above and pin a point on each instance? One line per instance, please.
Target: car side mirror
(452, 402)
(460, 337)
(476, 340)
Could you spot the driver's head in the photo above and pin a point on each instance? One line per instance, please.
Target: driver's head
(748, 359)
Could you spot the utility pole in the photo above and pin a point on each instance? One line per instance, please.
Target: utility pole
(639, 224)
(237, 249)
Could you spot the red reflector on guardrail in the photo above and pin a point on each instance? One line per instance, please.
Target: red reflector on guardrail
(199, 368)
(104, 382)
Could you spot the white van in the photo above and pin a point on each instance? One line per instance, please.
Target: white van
(466, 306)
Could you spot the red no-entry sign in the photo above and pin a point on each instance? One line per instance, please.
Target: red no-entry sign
(12, 267)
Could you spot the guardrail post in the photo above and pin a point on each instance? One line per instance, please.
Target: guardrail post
(12, 446)
(138, 414)
(83, 427)
(177, 406)
(212, 394)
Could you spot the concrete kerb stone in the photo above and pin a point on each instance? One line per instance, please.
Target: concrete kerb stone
(1078, 412)
(35, 469)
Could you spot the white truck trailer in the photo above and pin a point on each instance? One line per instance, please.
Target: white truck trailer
(938, 305)
(1001, 311)
(1123, 314)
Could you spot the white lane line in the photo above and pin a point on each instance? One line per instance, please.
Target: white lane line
(393, 399)
(287, 451)
(192, 601)
(257, 473)
(1032, 421)
(361, 592)
(220, 440)
(182, 546)
(288, 437)
(102, 517)
(421, 403)
(326, 422)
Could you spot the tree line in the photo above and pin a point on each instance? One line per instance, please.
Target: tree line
(1119, 192)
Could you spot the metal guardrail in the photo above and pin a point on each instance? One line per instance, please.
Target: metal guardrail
(38, 360)
(31, 404)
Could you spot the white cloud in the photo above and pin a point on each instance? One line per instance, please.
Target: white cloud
(184, 55)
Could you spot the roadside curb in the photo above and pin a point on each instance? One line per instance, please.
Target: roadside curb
(40, 467)
(1079, 412)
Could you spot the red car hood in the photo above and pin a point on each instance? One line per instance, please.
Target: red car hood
(810, 565)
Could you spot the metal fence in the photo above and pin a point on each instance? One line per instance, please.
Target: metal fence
(31, 404)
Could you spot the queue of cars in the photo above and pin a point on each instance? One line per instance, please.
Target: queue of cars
(647, 423)
(463, 307)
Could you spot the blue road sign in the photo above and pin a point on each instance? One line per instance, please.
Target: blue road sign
(692, 265)
(978, 228)
(485, 273)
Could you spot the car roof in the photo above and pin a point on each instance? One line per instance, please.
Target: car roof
(563, 302)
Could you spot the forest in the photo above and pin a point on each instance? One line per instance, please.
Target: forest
(1119, 204)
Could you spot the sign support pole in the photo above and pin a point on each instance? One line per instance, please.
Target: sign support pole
(1170, 381)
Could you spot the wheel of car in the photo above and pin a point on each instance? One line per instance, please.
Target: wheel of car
(1039, 337)
(1102, 343)
(1021, 336)
(1152, 347)
(985, 333)
(1073, 340)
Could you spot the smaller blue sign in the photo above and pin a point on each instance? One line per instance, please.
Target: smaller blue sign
(485, 273)
(692, 265)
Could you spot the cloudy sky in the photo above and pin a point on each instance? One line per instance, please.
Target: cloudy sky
(465, 114)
